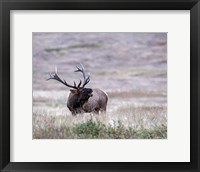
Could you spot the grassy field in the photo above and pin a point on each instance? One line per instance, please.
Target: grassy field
(130, 67)
(123, 119)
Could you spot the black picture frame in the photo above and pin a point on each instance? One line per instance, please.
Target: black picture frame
(7, 5)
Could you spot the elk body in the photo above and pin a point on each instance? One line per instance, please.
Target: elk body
(81, 99)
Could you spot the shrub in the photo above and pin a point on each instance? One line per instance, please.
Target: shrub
(89, 129)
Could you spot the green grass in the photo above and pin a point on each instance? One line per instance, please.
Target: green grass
(76, 46)
(57, 127)
(90, 45)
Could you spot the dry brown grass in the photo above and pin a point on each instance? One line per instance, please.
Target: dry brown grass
(135, 94)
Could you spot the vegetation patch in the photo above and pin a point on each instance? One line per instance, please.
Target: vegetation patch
(48, 127)
(85, 46)
(76, 46)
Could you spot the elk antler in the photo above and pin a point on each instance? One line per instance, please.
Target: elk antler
(82, 70)
(57, 78)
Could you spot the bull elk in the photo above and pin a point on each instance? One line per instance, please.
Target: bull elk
(81, 99)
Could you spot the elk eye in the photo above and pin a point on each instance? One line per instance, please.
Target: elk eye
(73, 91)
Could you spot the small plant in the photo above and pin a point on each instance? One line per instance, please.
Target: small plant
(119, 131)
(155, 133)
(89, 129)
